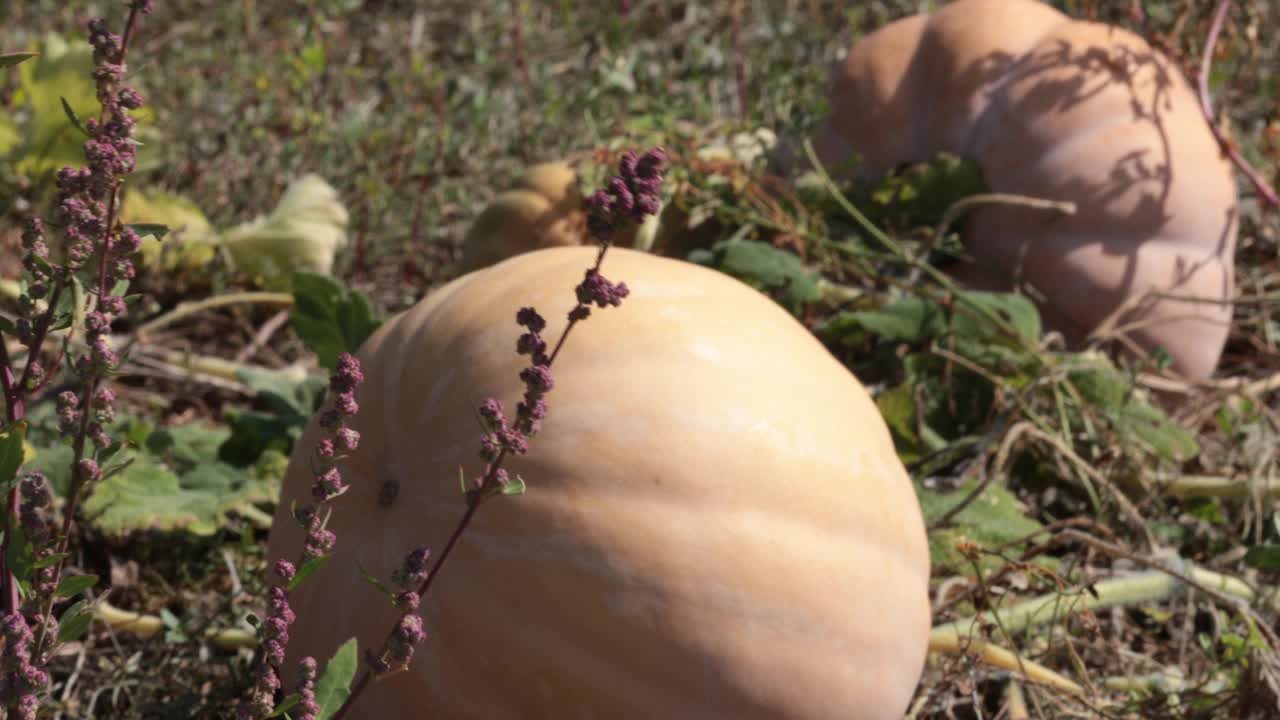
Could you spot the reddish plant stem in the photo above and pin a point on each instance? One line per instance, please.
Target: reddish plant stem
(739, 60)
(517, 38)
(91, 388)
(1206, 106)
(15, 409)
(565, 335)
(9, 384)
(13, 412)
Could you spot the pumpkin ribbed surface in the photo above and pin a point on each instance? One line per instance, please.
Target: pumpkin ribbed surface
(1069, 111)
(716, 523)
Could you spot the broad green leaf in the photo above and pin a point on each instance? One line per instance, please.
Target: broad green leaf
(186, 446)
(285, 393)
(19, 554)
(307, 569)
(9, 59)
(329, 318)
(1109, 392)
(53, 86)
(257, 435)
(71, 115)
(150, 496)
(62, 76)
(994, 518)
(176, 235)
(303, 233)
(49, 560)
(155, 230)
(334, 684)
(74, 622)
(1263, 557)
(285, 705)
(767, 268)
(910, 319)
(12, 452)
(55, 462)
(1168, 439)
(72, 585)
(920, 194)
(897, 407)
(1016, 311)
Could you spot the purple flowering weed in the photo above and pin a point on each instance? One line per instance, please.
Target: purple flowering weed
(629, 197)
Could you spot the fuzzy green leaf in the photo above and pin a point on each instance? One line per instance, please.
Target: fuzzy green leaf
(766, 268)
(155, 230)
(12, 452)
(73, 585)
(74, 622)
(334, 684)
(307, 569)
(10, 59)
(994, 518)
(910, 319)
(150, 496)
(1263, 557)
(329, 318)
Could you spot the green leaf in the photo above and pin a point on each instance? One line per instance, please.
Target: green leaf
(49, 560)
(909, 319)
(334, 684)
(1112, 394)
(767, 268)
(10, 59)
(185, 446)
(12, 453)
(174, 632)
(71, 115)
(1264, 557)
(19, 553)
(70, 306)
(329, 318)
(1148, 423)
(73, 585)
(155, 230)
(513, 487)
(150, 496)
(920, 194)
(307, 569)
(284, 393)
(285, 705)
(897, 407)
(1016, 311)
(374, 581)
(74, 622)
(256, 435)
(994, 518)
(55, 462)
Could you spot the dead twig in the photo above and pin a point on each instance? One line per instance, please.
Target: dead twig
(1206, 106)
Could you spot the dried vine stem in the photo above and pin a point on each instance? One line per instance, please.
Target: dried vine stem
(1260, 184)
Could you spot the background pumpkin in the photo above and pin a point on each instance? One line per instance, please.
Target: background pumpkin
(716, 525)
(1068, 111)
(544, 210)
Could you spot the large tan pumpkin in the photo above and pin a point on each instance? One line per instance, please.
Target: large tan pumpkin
(716, 523)
(1065, 110)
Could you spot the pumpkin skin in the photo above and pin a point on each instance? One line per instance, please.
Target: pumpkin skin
(1063, 110)
(544, 211)
(716, 522)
